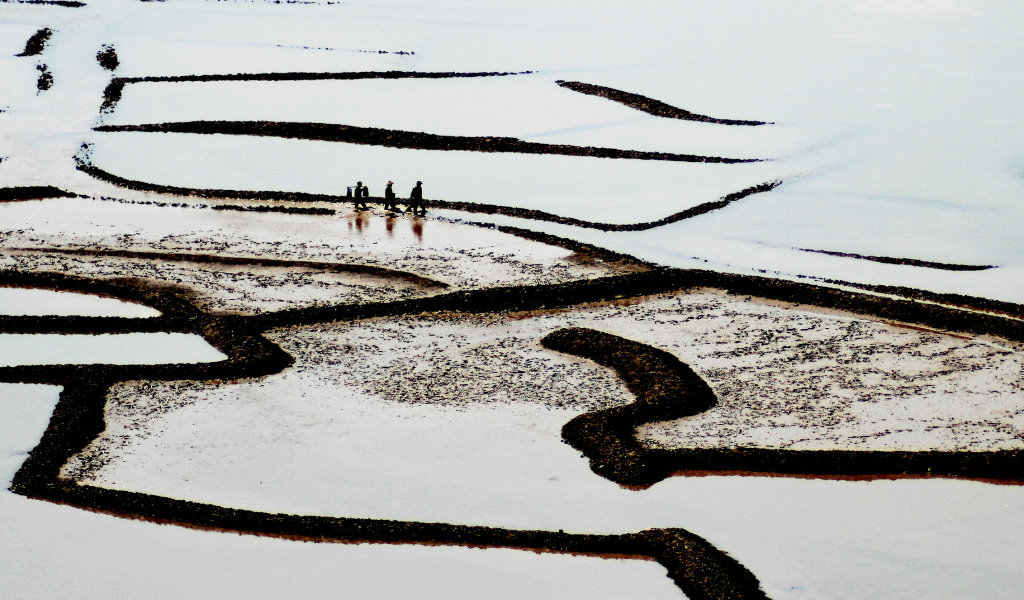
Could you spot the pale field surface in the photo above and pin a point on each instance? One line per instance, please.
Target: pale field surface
(464, 257)
(40, 302)
(896, 122)
(18, 349)
(458, 419)
(49, 551)
(896, 129)
(592, 189)
(530, 107)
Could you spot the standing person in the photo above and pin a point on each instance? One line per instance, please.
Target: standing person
(416, 199)
(389, 197)
(361, 192)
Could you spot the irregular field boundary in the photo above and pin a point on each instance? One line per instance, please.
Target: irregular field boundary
(416, 140)
(470, 207)
(217, 259)
(649, 105)
(700, 570)
(114, 90)
(605, 436)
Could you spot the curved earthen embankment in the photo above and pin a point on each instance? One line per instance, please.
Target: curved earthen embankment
(667, 389)
(649, 105)
(216, 259)
(414, 140)
(657, 379)
(912, 262)
(470, 207)
(698, 568)
(113, 91)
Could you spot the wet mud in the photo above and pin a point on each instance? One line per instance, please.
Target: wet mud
(663, 386)
(699, 569)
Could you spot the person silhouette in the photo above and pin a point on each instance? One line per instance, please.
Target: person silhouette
(390, 202)
(360, 198)
(416, 204)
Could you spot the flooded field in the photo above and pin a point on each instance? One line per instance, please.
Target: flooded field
(707, 302)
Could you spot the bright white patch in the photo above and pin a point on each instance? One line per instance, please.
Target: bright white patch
(38, 302)
(18, 349)
(25, 412)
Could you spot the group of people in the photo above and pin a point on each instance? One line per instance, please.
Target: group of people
(415, 205)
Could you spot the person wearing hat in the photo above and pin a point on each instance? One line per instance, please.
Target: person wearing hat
(389, 197)
(416, 204)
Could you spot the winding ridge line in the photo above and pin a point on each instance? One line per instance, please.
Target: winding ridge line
(606, 436)
(35, 192)
(394, 138)
(112, 93)
(648, 105)
(699, 569)
(188, 257)
(470, 207)
(913, 262)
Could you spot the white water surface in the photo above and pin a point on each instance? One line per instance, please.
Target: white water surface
(39, 302)
(18, 349)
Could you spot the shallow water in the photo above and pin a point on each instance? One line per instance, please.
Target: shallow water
(18, 349)
(39, 302)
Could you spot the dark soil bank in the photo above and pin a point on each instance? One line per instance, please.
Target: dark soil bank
(37, 42)
(392, 138)
(648, 105)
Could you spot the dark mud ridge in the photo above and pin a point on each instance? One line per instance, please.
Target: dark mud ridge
(246, 261)
(107, 57)
(699, 569)
(66, 3)
(393, 138)
(37, 43)
(112, 94)
(470, 207)
(45, 79)
(664, 388)
(912, 262)
(37, 192)
(649, 105)
(293, 210)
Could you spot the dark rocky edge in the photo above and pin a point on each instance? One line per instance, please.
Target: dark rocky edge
(698, 568)
(45, 79)
(913, 262)
(107, 57)
(37, 43)
(649, 105)
(188, 257)
(393, 138)
(35, 192)
(112, 94)
(470, 207)
(292, 210)
(665, 388)
(65, 3)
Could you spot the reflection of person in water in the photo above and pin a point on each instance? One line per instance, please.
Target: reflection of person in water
(389, 197)
(361, 194)
(416, 204)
